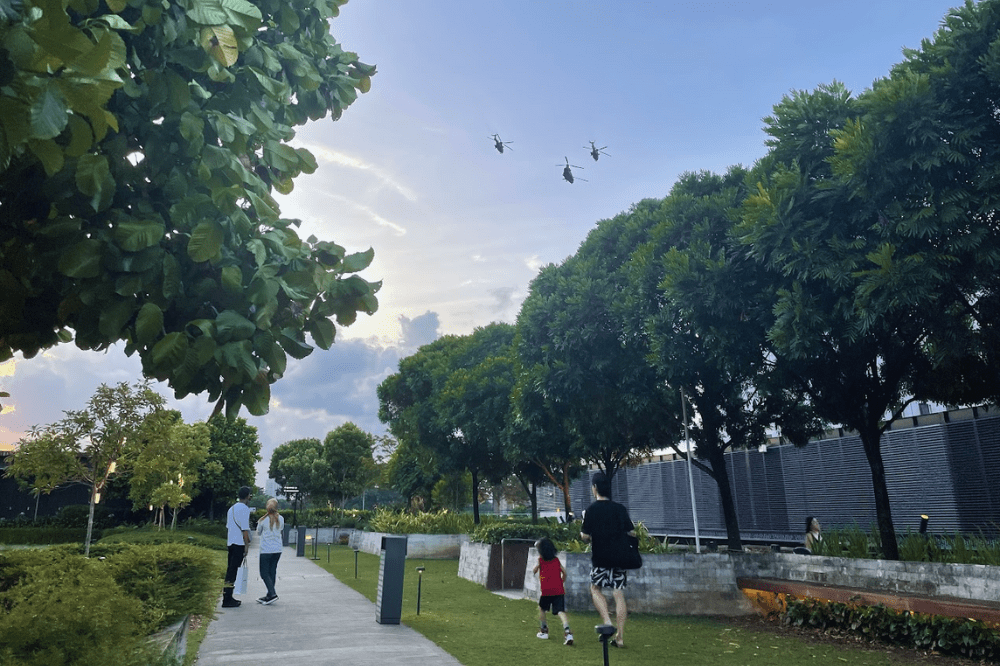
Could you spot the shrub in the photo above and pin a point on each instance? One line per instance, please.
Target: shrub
(494, 531)
(59, 608)
(956, 636)
(170, 579)
(76, 515)
(151, 535)
(442, 522)
(33, 536)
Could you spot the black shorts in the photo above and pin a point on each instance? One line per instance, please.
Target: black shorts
(557, 602)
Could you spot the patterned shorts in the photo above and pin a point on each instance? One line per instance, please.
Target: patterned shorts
(608, 577)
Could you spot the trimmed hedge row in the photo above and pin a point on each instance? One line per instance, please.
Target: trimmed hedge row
(58, 607)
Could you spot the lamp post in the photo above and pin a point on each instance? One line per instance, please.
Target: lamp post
(420, 580)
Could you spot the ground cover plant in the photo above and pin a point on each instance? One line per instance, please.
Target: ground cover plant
(153, 535)
(484, 629)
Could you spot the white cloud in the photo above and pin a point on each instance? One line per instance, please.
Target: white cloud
(342, 159)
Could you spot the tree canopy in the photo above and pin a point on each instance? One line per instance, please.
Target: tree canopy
(140, 143)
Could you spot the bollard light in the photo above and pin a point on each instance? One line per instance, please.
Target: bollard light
(420, 579)
(604, 633)
(924, 518)
(355, 562)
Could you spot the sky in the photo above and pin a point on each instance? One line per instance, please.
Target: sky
(459, 230)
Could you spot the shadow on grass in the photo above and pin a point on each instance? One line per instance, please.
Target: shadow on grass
(480, 628)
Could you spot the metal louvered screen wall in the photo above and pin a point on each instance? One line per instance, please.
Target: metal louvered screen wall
(948, 471)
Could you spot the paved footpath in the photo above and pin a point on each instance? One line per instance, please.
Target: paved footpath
(316, 620)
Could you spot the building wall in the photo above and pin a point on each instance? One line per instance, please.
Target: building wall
(945, 465)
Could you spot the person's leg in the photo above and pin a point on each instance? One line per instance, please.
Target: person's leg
(274, 572)
(265, 572)
(543, 627)
(600, 603)
(621, 614)
(234, 559)
(567, 634)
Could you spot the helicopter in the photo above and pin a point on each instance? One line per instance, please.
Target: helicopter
(499, 144)
(596, 152)
(568, 174)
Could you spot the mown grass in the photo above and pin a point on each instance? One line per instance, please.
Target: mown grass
(480, 628)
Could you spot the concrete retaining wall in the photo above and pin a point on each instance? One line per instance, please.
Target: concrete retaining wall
(418, 546)
(705, 584)
(326, 535)
(932, 579)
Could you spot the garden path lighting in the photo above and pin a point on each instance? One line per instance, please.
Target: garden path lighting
(420, 579)
(604, 633)
(355, 562)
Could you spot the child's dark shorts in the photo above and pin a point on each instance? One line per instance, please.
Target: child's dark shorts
(557, 602)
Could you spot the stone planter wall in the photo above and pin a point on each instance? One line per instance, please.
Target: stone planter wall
(326, 535)
(932, 579)
(418, 546)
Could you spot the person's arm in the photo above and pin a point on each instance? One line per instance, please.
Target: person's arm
(562, 571)
(584, 537)
(535, 570)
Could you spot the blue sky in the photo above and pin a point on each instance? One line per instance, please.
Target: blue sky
(459, 230)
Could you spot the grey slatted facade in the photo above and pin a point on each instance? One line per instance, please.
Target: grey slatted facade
(949, 470)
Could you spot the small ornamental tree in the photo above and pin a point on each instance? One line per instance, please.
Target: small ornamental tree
(140, 143)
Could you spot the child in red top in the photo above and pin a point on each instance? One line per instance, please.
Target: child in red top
(551, 575)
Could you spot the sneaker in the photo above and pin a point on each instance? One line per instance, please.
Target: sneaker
(262, 600)
(544, 635)
(568, 639)
(269, 600)
(231, 603)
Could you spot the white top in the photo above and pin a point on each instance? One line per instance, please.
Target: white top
(237, 520)
(270, 539)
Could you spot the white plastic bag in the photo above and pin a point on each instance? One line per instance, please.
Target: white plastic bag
(240, 586)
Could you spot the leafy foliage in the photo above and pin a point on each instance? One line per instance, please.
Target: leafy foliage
(442, 522)
(969, 638)
(140, 143)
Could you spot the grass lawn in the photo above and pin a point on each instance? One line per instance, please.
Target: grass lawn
(484, 629)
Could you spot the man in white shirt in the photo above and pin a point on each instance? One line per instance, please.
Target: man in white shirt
(238, 526)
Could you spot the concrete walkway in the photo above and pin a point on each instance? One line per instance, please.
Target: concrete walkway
(316, 620)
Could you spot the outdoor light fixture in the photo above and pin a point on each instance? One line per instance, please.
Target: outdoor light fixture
(420, 580)
(604, 633)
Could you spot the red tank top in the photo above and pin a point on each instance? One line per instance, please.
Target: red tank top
(550, 577)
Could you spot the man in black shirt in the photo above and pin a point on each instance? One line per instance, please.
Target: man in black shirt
(605, 525)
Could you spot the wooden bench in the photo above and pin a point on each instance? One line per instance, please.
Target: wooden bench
(768, 595)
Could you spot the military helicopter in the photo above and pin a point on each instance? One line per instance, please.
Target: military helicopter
(568, 174)
(500, 145)
(596, 152)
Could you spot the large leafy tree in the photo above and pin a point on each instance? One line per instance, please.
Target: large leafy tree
(348, 453)
(87, 445)
(140, 143)
(232, 456)
(586, 361)
(299, 463)
(705, 307)
(412, 471)
(923, 163)
(858, 367)
(166, 458)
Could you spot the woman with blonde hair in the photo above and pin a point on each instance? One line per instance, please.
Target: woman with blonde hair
(269, 528)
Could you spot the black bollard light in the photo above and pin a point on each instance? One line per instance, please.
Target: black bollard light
(420, 580)
(315, 544)
(605, 632)
(355, 562)
(924, 518)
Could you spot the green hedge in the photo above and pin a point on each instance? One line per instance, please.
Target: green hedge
(45, 536)
(151, 535)
(59, 608)
(439, 522)
(953, 636)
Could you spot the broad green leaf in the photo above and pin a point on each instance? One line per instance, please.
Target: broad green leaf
(206, 241)
(49, 154)
(242, 13)
(82, 260)
(116, 22)
(230, 325)
(288, 19)
(115, 316)
(117, 6)
(171, 277)
(169, 353)
(256, 398)
(135, 235)
(293, 347)
(323, 332)
(220, 43)
(49, 114)
(94, 179)
(81, 137)
(266, 207)
(232, 279)
(148, 323)
(239, 356)
(358, 261)
(365, 84)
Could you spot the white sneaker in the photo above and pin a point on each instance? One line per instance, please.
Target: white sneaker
(544, 635)
(568, 639)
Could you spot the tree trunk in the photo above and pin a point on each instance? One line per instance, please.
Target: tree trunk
(173, 521)
(534, 503)
(871, 441)
(90, 520)
(475, 498)
(717, 459)
(565, 488)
